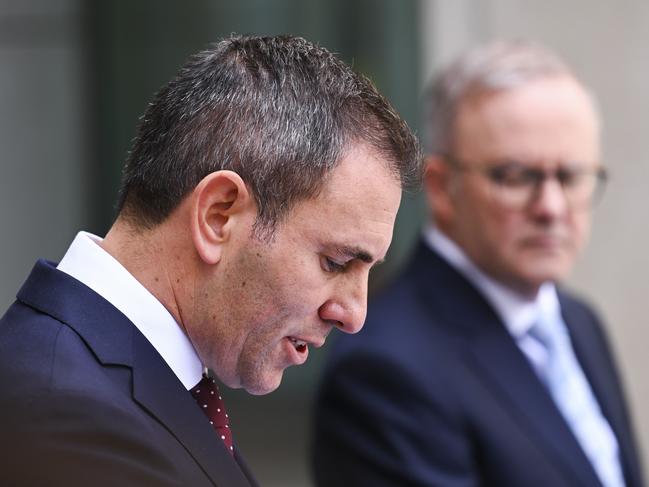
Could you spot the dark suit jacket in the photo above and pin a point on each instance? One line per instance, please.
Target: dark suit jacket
(435, 392)
(85, 399)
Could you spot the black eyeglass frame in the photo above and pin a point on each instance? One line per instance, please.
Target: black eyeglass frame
(495, 172)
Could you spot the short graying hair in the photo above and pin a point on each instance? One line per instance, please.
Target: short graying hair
(280, 111)
(495, 66)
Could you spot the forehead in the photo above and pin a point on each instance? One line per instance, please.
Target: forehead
(356, 206)
(548, 119)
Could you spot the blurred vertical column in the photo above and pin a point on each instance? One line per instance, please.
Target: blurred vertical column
(41, 135)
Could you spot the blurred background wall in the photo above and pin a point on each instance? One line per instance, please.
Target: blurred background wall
(75, 76)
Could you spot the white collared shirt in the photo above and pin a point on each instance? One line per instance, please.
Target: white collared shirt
(87, 262)
(517, 312)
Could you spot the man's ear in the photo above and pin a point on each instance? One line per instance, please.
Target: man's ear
(219, 202)
(439, 185)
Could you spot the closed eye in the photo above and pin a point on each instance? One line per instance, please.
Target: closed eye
(330, 265)
(514, 175)
(569, 178)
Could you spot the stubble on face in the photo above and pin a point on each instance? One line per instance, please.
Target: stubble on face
(265, 293)
(248, 308)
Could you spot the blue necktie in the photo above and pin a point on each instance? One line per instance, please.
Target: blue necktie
(573, 396)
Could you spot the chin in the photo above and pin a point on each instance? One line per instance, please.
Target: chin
(259, 388)
(535, 278)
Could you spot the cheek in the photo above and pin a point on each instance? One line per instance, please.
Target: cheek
(580, 229)
(511, 229)
(275, 308)
(500, 230)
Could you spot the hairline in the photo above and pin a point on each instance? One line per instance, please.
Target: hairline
(472, 84)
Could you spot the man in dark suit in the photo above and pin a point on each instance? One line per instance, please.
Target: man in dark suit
(262, 186)
(474, 368)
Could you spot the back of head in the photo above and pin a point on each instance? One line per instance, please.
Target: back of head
(279, 111)
(495, 66)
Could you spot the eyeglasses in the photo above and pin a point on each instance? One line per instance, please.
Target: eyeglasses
(515, 184)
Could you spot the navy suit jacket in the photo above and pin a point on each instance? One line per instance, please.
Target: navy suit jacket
(435, 392)
(85, 399)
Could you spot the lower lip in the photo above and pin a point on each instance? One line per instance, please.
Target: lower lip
(296, 358)
(548, 243)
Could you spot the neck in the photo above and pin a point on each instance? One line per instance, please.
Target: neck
(148, 255)
(525, 290)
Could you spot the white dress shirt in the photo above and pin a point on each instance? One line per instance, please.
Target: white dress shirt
(87, 262)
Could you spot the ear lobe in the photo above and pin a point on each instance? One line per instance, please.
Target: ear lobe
(438, 186)
(218, 202)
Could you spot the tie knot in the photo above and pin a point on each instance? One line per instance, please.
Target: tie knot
(209, 398)
(207, 395)
(550, 330)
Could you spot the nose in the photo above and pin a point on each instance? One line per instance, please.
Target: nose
(348, 308)
(550, 200)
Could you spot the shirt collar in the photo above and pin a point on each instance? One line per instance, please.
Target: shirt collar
(87, 262)
(518, 312)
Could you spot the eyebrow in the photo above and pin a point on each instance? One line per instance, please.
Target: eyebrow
(356, 253)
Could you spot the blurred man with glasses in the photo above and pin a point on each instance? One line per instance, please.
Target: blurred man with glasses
(474, 367)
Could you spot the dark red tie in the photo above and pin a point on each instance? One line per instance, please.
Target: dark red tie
(209, 399)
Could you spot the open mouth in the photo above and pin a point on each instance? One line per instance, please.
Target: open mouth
(300, 345)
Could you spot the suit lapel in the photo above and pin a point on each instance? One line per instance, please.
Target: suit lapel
(596, 361)
(166, 399)
(496, 359)
(511, 378)
(245, 469)
(115, 340)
